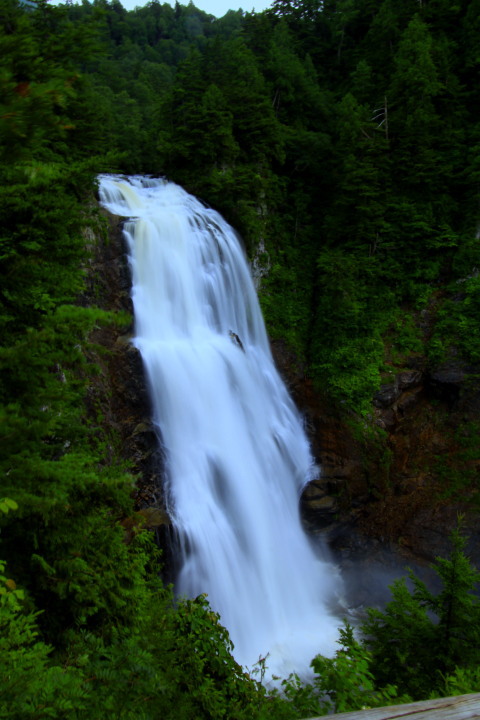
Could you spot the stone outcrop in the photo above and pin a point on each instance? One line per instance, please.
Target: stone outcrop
(386, 495)
(118, 391)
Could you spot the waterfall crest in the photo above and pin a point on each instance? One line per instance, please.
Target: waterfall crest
(236, 453)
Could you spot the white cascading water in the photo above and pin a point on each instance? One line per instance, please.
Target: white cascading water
(237, 456)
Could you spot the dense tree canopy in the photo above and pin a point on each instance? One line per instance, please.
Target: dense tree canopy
(342, 129)
(339, 137)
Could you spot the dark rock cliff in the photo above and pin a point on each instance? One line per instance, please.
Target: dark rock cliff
(400, 491)
(118, 391)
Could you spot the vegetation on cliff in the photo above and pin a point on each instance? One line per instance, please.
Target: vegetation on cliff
(341, 134)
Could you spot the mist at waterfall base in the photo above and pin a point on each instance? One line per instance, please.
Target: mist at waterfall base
(236, 453)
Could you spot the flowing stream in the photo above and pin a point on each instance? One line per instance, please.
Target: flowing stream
(237, 456)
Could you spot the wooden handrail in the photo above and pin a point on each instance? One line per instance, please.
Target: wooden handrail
(460, 707)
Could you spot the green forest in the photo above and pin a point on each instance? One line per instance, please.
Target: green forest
(342, 140)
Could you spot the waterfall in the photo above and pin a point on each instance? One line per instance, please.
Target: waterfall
(237, 456)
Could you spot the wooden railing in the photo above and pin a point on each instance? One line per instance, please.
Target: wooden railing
(460, 707)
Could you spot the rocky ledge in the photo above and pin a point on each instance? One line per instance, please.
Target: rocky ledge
(386, 497)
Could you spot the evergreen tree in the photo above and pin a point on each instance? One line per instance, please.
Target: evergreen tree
(421, 637)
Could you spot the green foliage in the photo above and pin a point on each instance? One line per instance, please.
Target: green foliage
(340, 130)
(400, 640)
(462, 682)
(168, 661)
(92, 633)
(347, 680)
(41, 53)
(343, 137)
(420, 637)
(287, 314)
(7, 504)
(30, 684)
(214, 685)
(347, 348)
(341, 684)
(457, 322)
(160, 660)
(404, 337)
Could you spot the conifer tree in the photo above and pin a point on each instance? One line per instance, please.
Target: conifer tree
(421, 637)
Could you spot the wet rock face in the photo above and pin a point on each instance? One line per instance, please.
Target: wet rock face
(318, 509)
(457, 384)
(390, 393)
(338, 454)
(119, 391)
(392, 490)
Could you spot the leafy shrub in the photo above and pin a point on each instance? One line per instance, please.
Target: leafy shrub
(342, 683)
